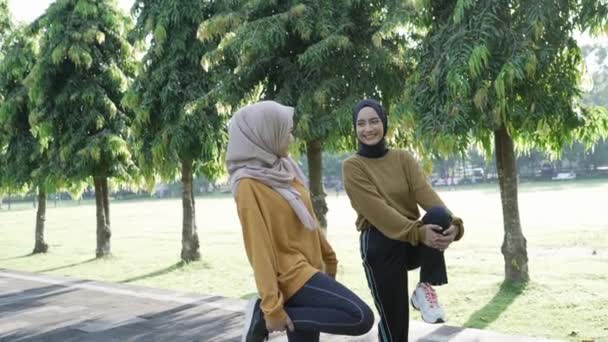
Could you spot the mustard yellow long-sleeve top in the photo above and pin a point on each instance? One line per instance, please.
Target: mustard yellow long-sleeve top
(385, 192)
(284, 254)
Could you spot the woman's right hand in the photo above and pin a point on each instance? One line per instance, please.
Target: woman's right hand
(433, 238)
(280, 325)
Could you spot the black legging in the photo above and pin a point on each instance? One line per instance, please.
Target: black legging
(325, 305)
(386, 262)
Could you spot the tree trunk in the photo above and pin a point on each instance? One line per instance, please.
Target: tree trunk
(103, 223)
(190, 243)
(514, 242)
(40, 246)
(314, 154)
(106, 200)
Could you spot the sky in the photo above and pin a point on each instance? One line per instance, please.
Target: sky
(27, 10)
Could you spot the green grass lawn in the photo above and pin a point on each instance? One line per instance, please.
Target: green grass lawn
(565, 225)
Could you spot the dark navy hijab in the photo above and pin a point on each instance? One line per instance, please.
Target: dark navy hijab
(379, 150)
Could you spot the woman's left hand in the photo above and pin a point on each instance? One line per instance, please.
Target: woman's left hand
(447, 238)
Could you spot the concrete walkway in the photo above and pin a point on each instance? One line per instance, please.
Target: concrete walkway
(36, 307)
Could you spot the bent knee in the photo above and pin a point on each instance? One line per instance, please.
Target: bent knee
(366, 321)
(438, 215)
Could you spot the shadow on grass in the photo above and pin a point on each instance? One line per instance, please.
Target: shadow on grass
(493, 309)
(67, 266)
(161, 272)
(18, 257)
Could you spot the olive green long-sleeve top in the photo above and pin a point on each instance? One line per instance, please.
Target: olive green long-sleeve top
(283, 253)
(385, 192)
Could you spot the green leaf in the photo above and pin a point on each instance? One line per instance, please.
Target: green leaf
(160, 34)
(478, 61)
(460, 9)
(481, 98)
(58, 54)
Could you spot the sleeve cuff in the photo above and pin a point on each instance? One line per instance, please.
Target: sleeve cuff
(331, 268)
(420, 234)
(456, 221)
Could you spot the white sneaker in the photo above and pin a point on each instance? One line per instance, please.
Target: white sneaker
(424, 299)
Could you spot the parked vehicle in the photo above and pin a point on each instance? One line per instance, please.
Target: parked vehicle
(564, 176)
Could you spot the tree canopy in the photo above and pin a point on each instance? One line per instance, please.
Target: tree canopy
(20, 154)
(77, 85)
(172, 129)
(513, 64)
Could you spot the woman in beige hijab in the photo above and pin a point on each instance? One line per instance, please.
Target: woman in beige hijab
(284, 244)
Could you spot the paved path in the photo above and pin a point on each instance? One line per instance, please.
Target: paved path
(37, 307)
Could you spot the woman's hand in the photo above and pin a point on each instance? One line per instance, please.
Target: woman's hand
(435, 239)
(280, 325)
(451, 232)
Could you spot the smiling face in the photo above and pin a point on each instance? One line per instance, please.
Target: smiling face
(370, 130)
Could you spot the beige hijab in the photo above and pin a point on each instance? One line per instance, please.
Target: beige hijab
(257, 133)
